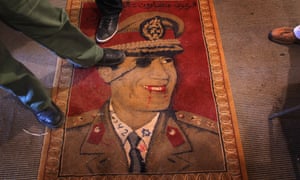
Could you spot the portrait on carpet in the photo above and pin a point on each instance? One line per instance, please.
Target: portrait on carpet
(156, 112)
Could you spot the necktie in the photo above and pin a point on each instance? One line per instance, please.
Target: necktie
(137, 163)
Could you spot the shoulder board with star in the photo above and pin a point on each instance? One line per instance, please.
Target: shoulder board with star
(82, 119)
(197, 120)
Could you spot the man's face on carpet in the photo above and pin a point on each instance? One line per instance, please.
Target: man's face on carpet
(146, 87)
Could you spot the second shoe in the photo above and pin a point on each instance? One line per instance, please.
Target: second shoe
(111, 57)
(283, 35)
(107, 28)
(51, 116)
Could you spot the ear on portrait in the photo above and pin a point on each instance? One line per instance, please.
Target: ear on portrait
(108, 74)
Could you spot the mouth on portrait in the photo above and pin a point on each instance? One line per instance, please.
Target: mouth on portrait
(156, 88)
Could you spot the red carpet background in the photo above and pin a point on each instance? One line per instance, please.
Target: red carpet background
(202, 85)
(193, 92)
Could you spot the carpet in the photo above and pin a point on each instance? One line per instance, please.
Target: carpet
(174, 77)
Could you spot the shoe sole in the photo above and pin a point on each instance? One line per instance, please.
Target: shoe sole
(107, 39)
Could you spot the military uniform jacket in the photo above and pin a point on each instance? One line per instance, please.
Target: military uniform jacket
(91, 146)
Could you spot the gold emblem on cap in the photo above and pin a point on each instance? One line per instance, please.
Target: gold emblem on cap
(152, 29)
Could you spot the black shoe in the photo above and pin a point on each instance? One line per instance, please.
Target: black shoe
(108, 27)
(51, 117)
(111, 57)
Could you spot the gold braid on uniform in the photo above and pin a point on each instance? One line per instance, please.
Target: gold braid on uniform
(197, 120)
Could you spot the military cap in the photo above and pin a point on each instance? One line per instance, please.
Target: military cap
(152, 27)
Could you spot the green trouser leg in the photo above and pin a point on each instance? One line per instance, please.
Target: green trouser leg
(50, 26)
(16, 78)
